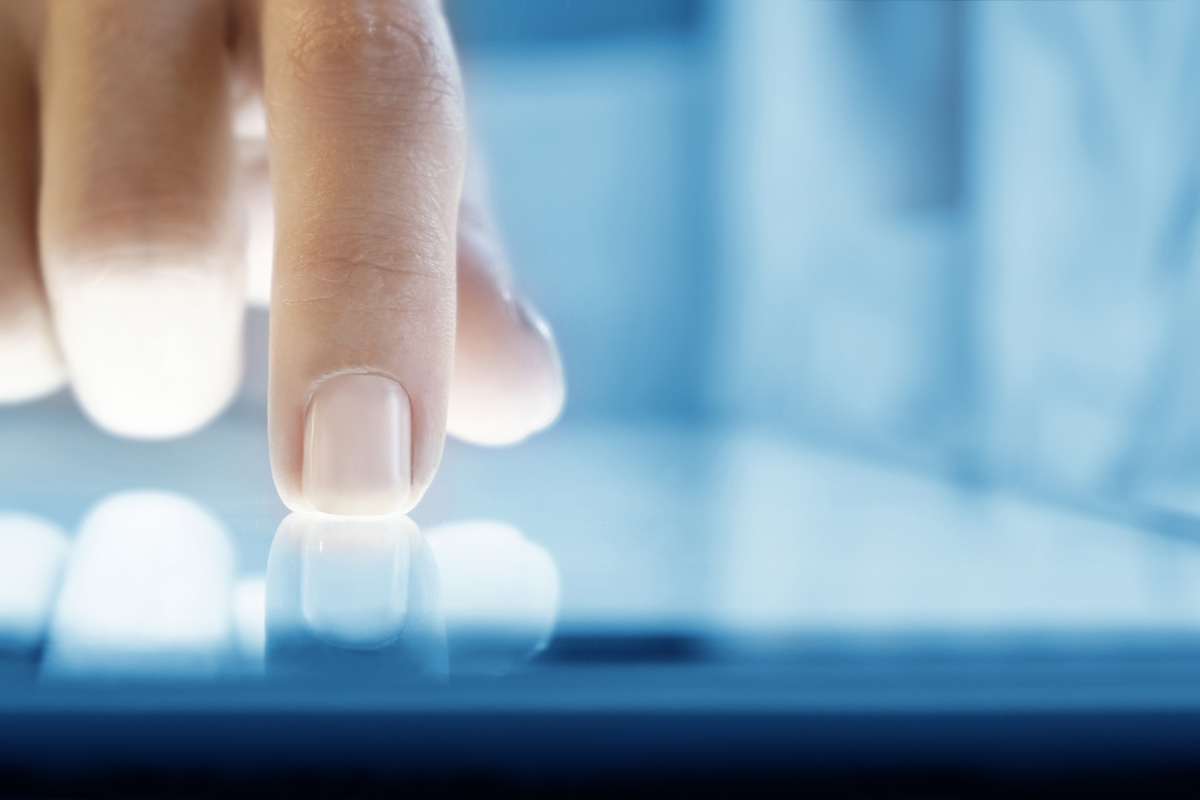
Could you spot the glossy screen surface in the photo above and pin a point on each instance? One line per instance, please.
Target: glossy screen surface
(615, 544)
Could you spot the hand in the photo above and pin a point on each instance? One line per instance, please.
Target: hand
(392, 312)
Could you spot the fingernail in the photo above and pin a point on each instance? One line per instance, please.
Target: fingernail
(358, 446)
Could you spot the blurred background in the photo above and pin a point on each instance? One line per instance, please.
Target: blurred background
(956, 236)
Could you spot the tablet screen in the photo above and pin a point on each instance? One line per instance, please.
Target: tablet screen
(604, 543)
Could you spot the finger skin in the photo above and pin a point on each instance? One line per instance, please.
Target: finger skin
(139, 236)
(30, 364)
(508, 377)
(367, 144)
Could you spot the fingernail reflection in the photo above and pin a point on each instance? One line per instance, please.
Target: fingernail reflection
(147, 589)
(354, 580)
(500, 594)
(32, 552)
(372, 593)
(352, 593)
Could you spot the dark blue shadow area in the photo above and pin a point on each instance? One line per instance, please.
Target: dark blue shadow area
(898, 725)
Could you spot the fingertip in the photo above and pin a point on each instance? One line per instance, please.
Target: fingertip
(30, 364)
(153, 353)
(506, 392)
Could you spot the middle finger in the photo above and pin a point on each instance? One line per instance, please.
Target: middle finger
(138, 233)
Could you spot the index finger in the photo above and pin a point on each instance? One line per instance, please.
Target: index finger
(367, 148)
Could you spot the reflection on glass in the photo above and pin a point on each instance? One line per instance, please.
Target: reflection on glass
(149, 588)
(146, 590)
(357, 594)
(354, 581)
(813, 542)
(249, 620)
(373, 594)
(499, 594)
(32, 551)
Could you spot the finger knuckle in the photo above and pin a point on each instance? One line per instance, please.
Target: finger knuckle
(357, 271)
(381, 45)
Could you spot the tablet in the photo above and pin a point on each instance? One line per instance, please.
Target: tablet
(605, 604)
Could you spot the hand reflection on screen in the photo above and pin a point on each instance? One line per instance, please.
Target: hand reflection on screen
(373, 594)
(346, 594)
(149, 587)
(146, 591)
(32, 552)
(499, 594)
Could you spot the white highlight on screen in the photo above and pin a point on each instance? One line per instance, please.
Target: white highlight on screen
(147, 589)
(32, 552)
